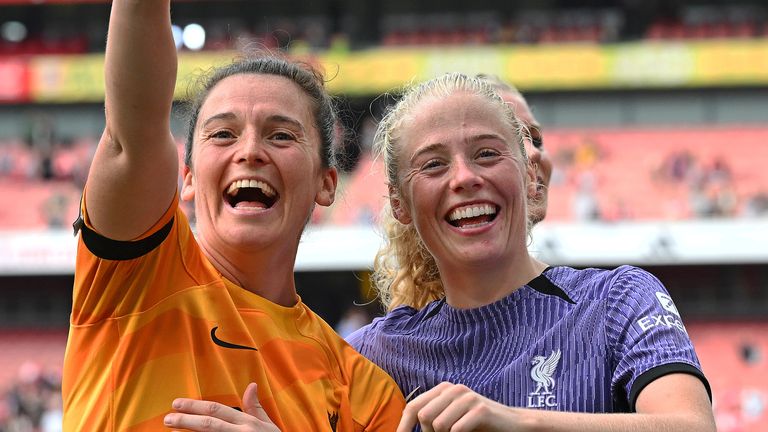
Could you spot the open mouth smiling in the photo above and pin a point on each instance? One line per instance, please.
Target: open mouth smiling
(472, 215)
(250, 194)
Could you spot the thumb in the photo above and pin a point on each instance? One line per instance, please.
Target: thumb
(252, 405)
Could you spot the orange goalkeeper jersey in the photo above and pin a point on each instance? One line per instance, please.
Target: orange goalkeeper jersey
(152, 320)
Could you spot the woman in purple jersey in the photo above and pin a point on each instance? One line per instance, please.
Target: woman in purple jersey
(489, 337)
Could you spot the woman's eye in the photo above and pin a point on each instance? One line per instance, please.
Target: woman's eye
(222, 134)
(486, 153)
(282, 136)
(431, 164)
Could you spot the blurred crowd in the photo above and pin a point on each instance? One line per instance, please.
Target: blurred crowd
(369, 24)
(42, 155)
(31, 402)
(593, 180)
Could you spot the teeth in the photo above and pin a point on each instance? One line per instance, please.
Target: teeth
(474, 211)
(239, 184)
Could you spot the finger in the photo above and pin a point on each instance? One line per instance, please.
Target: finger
(469, 422)
(411, 412)
(207, 408)
(197, 423)
(407, 421)
(444, 399)
(252, 405)
(421, 400)
(453, 415)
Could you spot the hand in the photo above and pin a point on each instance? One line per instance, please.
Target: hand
(206, 416)
(456, 408)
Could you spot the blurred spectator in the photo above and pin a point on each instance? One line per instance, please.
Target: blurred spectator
(52, 419)
(354, 318)
(585, 205)
(587, 154)
(55, 211)
(18, 161)
(711, 190)
(724, 199)
(700, 203)
(677, 166)
(756, 206)
(618, 211)
(720, 171)
(42, 139)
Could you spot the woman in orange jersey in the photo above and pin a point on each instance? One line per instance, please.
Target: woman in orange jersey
(160, 313)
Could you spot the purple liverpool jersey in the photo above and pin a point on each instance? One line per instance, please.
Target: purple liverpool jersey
(569, 340)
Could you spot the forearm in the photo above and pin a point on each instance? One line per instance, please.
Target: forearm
(448, 406)
(140, 70)
(554, 421)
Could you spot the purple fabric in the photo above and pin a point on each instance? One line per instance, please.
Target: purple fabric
(569, 340)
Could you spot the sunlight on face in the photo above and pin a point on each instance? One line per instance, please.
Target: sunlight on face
(462, 180)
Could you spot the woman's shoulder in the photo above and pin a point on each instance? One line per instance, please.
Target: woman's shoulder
(593, 282)
(403, 318)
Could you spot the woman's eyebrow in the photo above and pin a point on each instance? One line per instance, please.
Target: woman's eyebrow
(279, 118)
(486, 136)
(220, 116)
(426, 149)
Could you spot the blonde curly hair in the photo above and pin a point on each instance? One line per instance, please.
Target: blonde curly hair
(405, 272)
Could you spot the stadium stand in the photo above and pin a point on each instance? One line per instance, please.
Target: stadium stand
(33, 350)
(633, 174)
(733, 355)
(394, 27)
(30, 380)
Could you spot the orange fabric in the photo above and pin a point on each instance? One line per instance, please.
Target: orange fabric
(141, 335)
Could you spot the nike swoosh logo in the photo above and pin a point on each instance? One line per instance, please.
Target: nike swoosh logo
(225, 344)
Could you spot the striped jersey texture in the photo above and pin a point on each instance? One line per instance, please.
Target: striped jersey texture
(570, 340)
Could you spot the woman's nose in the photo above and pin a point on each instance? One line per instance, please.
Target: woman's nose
(464, 175)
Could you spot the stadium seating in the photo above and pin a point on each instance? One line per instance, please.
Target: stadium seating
(27, 348)
(628, 172)
(34, 205)
(734, 358)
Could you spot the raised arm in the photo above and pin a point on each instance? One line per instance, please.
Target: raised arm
(134, 172)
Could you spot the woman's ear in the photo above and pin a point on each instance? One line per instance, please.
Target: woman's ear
(327, 193)
(531, 183)
(188, 184)
(399, 208)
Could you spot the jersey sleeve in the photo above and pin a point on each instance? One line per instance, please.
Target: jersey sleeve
(646, 334)
(376, 400)
(115, 278)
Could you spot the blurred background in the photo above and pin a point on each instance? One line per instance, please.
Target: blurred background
(654, 112)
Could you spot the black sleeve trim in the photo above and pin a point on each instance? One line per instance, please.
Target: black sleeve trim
(659, 371)
(118, 250)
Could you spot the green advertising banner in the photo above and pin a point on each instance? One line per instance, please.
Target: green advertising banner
(65, 79)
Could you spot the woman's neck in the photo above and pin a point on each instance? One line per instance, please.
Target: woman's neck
(469, 288)
(267, 274)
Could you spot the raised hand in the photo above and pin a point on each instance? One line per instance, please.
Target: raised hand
(207, 416)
